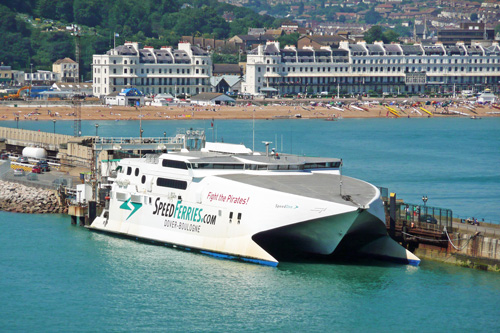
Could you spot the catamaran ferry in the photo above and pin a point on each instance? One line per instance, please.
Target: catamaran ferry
(228, 201)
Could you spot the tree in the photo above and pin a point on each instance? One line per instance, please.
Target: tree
(372, 17)
(375, 33)
(290, 39)
(497, 29)
(87, 12)
(473, 17)
(390, 36)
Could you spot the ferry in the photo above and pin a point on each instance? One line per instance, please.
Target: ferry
(228, 201)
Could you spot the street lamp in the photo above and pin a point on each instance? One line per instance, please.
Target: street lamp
(96, 128)
(31, 78)
(424, 199)
(17, 122)
(54, 121)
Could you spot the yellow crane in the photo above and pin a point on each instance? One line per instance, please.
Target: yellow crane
(17, 95)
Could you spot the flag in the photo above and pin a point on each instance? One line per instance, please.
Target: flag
(117, 34)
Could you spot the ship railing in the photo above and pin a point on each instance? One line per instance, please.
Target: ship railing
(151, 158)
(425, 217)
(136, 140)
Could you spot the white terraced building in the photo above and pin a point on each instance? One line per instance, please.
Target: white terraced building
(185, 70)
(378, 67)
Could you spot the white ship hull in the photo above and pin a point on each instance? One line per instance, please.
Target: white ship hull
(255, 216)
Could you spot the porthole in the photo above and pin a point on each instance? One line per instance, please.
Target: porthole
(136, 172)
(143, 179)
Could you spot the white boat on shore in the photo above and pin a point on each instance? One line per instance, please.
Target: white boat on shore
(230, 202)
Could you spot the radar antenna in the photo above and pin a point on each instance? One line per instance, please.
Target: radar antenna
(267, 146)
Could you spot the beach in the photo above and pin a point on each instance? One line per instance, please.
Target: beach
(247, 110)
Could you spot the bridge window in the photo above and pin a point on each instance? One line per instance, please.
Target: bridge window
(136, 172)
(172, 183)
(174, 164)
(129, 171)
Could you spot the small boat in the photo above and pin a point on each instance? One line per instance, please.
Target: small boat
(475, 117)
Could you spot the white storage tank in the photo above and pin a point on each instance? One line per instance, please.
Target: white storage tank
(35, 152)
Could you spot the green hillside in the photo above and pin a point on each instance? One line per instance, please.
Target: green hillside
(35, 31)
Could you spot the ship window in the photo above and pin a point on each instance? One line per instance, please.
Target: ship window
(143, 179)
(165, 182)
(174, 164)
(216, 166)
(136, 172)
(129, 171)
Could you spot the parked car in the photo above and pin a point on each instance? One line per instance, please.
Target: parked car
(43, 165)
(36, 169)
(22, 159)
(4, 156)
(428, 219)
(18, 172)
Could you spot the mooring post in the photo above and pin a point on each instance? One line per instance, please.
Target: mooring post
(392, 215)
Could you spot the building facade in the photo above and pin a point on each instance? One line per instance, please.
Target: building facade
(185, 70)
(66, 68)
(41, 77)
(380, 68)
(5, 75)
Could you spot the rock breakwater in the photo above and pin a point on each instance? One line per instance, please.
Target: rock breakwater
(24, 199)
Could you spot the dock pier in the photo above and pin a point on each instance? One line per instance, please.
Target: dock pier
(432, 233)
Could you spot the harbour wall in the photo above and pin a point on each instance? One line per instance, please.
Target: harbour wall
(19, 198)
(474, 251)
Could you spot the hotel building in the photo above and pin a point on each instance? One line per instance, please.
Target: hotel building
(381, 68)
(185, 70)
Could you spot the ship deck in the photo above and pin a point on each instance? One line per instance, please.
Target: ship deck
(313, 185)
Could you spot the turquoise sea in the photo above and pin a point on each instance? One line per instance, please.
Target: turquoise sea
(59, 277)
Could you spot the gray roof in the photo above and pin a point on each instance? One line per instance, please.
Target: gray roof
(357, 49)
(433, 50)
(492, 50)
(375, 49)
(208, 96)
(146, 56)
(226, 68)
(271, 49)
(392, 49)
(163, 57)
(125, 50)
(411, 50)
(313, 185)
(454, 50)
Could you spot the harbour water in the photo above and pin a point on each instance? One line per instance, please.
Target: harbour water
(59, 277)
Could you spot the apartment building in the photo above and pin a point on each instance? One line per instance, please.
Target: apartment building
(185, 70)
(382, 68)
